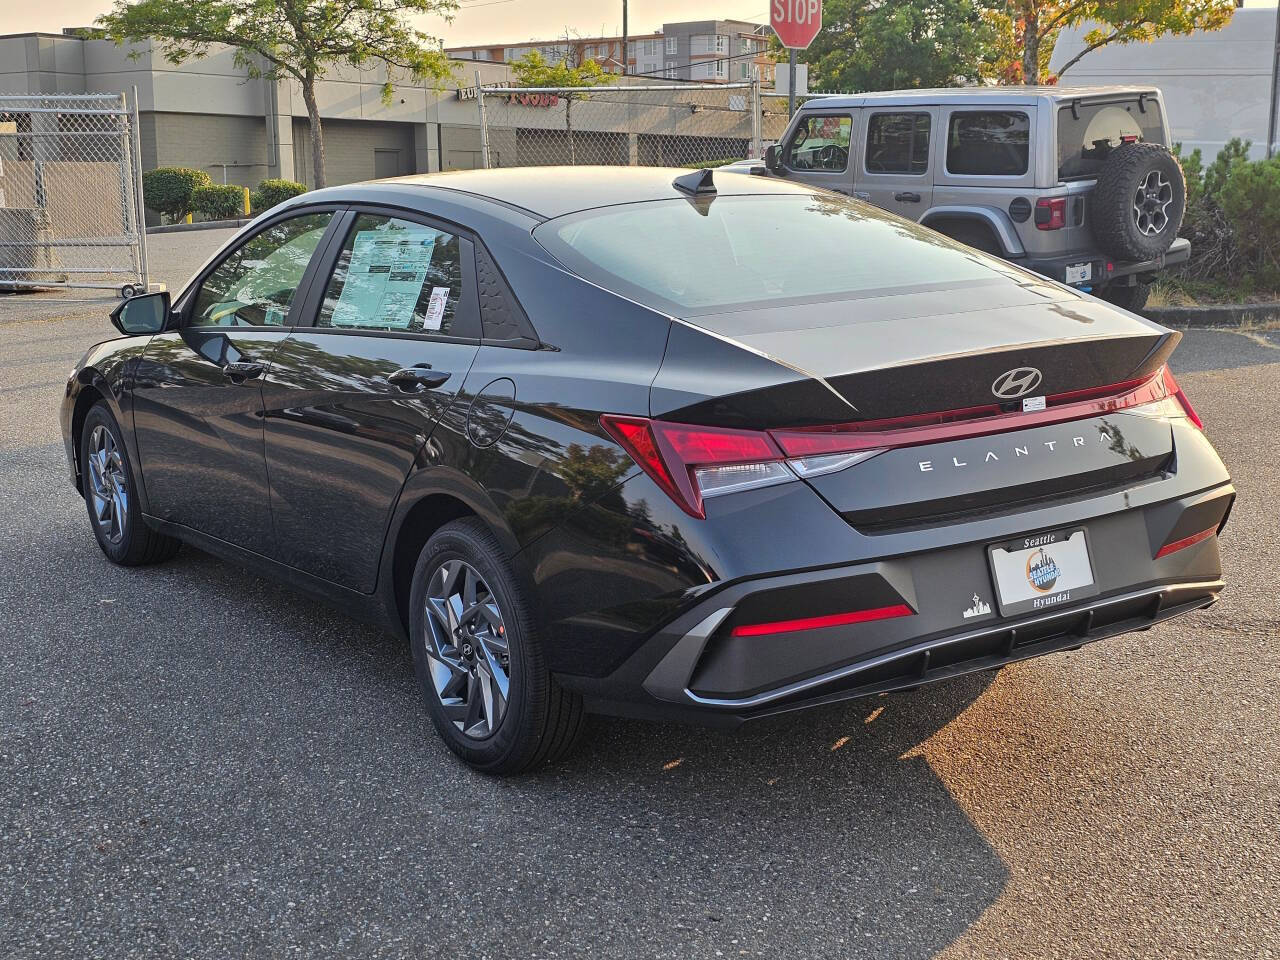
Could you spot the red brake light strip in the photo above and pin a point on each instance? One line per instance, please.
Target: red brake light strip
(830, 620)
(1185, 542)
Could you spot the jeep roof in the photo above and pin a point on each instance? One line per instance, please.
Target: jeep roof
(975, 96)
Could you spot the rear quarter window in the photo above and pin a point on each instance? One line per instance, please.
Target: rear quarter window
(1088, 133)
(988, 143)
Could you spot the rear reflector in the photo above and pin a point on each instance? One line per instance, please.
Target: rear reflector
(830, 620)
(1185, 542)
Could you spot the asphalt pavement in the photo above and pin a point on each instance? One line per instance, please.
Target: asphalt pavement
(196, 762)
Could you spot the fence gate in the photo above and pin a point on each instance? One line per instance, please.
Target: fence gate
(669, 125)
(71, 214)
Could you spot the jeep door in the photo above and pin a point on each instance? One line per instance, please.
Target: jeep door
(894, 168)
(819, 148)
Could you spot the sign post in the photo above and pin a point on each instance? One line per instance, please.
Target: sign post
(796, 22)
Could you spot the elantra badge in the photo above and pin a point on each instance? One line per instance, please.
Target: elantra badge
(1016, 383)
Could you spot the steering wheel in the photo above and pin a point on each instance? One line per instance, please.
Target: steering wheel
(833, 157)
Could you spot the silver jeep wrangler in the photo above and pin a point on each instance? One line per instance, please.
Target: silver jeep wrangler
(1075, 183)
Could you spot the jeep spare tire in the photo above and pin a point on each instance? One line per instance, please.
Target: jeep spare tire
(1136, 208)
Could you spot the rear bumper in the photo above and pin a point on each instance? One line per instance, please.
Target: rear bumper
(695, 669)
(1106, 270)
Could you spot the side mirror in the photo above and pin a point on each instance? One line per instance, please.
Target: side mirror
(142, 316)
(772, 161)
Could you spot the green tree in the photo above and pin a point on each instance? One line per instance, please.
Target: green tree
(299, 39)
(534, 71)
(897, 44)
(1250, 197)
(1029, 29)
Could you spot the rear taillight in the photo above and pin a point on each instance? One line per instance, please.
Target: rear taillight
(1051, 213)
(1171, 385)
(691, 463)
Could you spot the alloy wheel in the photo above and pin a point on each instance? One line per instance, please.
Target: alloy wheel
(1151, 203)
(467, 649)
(108, 484)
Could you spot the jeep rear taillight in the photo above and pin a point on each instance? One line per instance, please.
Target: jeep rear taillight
(1051, 213)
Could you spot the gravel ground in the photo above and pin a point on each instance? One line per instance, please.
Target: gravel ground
(196, 762)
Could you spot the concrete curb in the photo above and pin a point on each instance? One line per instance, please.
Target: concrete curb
(202, 225)
(1219, 315)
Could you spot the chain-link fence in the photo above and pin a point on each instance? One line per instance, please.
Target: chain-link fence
(70, 195)
(668, 125)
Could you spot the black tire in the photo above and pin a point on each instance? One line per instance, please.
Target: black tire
(541, 721)
(973, 235)
(1132, 216)
(130, 543)
(1130, 297)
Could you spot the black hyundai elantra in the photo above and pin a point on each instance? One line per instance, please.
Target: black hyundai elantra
(649, 442)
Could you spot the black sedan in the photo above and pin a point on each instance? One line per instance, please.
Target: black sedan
(650, 442)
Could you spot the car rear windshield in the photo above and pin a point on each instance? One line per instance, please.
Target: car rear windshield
(698, 256)
(1088, 132)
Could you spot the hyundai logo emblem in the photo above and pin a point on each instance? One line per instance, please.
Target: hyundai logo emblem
(1016, 383)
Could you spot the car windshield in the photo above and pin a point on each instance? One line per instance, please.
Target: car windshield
(701, 255)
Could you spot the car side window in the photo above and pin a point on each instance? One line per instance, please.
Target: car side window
(820, 142)
(394, 275)
(256, 284)
(898, 143)
(988, 143)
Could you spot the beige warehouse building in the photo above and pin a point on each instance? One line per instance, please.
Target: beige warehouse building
(209, 114)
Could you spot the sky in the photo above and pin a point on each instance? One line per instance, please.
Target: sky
(477, 21)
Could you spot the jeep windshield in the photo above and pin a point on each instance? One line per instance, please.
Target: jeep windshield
(1088, 132)
(700, 256)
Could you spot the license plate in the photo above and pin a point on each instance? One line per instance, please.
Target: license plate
(1079, 272)
(1041, 571)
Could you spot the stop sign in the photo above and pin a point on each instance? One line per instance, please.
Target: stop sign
(796, 22)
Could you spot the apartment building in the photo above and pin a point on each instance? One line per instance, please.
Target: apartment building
(704, 51)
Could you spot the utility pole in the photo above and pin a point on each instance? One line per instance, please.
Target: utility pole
(624, 37)
(1275, 92)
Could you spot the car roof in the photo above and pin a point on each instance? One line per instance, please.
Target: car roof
(977, 96)
(549, 192)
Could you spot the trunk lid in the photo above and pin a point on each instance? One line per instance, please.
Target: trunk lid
(935, 357)
(920, 351)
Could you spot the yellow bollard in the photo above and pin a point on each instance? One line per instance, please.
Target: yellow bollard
(187, 219)
(246, 200)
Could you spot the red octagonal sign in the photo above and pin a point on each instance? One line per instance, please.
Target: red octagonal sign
(796, 22)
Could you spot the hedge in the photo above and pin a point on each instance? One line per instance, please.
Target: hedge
(272, 192)
(218, 202)
(168, 190)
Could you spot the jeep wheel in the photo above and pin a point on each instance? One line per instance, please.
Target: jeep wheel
(978, 236)
(1130, 297)
(1136, 208)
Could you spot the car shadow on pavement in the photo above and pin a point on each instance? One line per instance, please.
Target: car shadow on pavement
(234, 722)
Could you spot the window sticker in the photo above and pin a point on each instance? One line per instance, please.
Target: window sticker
(384, 280)
(435, 308)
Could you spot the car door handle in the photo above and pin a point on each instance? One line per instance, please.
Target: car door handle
(241, 371)
(907, 197)
(421, 377)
